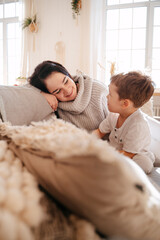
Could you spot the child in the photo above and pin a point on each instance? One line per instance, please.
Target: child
(128, 128)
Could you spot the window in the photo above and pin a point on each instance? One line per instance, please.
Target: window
(10, 41)
(133, 36)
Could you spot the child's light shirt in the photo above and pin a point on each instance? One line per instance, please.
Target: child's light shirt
(133, 136)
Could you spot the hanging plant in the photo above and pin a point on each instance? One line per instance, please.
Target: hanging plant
(31, 23)
(76, 6)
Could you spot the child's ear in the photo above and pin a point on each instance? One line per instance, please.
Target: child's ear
(126, 103)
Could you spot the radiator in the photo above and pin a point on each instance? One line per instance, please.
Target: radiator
(156, 111)
(156, 105)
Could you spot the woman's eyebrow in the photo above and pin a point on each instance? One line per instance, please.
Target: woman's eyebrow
(62, 82)
(64, 79)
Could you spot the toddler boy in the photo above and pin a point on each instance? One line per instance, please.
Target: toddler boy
(128, 128)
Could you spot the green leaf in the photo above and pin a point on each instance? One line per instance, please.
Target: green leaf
(27, 21)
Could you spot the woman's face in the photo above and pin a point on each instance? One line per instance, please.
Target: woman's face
(61, 86)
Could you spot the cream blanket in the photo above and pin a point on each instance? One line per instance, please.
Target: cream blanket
(90, 177)
(57, 138)
(20, 209)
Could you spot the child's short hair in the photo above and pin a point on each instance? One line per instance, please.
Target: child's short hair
(134, 86)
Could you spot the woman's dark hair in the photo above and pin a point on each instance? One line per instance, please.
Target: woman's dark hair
(42, 71)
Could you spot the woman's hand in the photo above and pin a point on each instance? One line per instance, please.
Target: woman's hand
(51, 99)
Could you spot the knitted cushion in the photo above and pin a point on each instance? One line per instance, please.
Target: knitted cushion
(22, 104)
(89, 177)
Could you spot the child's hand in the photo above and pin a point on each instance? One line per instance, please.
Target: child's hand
(98, 133)
(128, 154)
(51, 99)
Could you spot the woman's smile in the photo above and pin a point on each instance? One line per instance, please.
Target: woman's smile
(62, 86)
(70, 94)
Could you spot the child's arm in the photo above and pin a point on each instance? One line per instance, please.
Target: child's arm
(51, 99)
(98, 133)
(128, 154)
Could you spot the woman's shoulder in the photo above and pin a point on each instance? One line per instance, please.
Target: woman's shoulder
(99, 87)
(98, 83)
(95, 85)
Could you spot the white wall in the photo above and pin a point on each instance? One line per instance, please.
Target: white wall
(55, 17)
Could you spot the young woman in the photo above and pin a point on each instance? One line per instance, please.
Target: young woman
(79, 99)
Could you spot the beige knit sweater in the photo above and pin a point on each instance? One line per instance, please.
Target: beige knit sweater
(90, 106)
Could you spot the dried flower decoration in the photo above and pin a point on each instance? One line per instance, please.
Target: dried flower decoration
(76, 6)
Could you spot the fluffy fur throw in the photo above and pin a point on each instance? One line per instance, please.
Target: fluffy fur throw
(117, 197)
(20, 209)
(49, 136)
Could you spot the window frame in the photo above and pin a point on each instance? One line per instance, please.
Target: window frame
(5, 21)
(150, 5)
(5, 47)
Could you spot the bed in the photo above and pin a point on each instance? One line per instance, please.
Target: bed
(68, 198)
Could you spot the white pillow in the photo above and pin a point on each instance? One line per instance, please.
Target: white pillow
(20, 105)
(155, 141)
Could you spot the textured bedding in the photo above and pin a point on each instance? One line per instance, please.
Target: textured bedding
(28, 211)
(19, 195)
(88, 177)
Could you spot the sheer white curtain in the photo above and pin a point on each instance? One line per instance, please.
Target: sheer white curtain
(97, 39)
(27, 10)
(93, 38)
